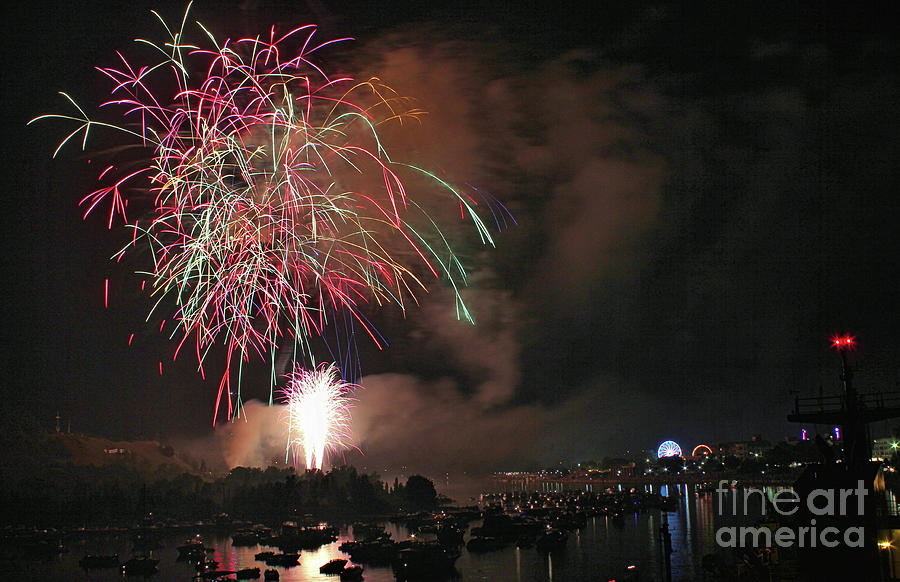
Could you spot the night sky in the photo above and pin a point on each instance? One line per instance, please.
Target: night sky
(703, 197)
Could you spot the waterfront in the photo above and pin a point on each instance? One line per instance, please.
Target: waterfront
(602, 550)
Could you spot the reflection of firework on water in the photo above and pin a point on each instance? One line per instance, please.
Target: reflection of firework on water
(277, 211)
(318, 413)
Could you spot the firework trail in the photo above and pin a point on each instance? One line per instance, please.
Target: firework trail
(318, 413)
(276, 209)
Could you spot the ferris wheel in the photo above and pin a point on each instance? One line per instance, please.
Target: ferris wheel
(668, 449)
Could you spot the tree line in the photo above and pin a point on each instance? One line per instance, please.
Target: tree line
(41, 486)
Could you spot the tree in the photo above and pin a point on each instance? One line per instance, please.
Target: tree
(672, 464)
(420, 493)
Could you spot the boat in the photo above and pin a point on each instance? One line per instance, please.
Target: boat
(552, 540)
(480, 544)
(43, 549)
(214, 574)
(147, 540)
(424, 561)
(450, 535)
(139, 566)
(525, 541)
(247, 574)
(94, 561)
(381, 552)
(284, 560)
(295, 537)
(270, 575)
(333, 567)
(192, 549)
(366, 530)
(245, 538)
(352, 573)
(205, 565)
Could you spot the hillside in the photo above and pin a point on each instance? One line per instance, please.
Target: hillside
(146, 456)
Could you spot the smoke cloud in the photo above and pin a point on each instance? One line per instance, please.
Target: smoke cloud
(561, 143)
(556, 145)
(257, 439)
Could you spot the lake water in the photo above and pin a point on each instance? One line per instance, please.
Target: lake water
(602, 551)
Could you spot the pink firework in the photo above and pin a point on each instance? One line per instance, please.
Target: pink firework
(276, 210)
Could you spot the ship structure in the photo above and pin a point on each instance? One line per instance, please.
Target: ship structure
(853, 531)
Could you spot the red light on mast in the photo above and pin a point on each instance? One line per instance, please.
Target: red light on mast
(843, 342)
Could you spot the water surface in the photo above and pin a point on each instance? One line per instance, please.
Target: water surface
(602, 551)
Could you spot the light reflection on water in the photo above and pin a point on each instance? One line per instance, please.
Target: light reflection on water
(601, 551)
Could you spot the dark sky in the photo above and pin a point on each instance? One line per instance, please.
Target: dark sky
(703, 197)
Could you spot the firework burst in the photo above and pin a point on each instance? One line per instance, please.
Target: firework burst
(318, 414)
(277, 210)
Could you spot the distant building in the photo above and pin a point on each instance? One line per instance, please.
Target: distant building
(734, 449)
(884, 449)
(755, 447)
(626, 470)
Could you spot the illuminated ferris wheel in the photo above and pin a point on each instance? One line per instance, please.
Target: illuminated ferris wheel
(668, 449)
